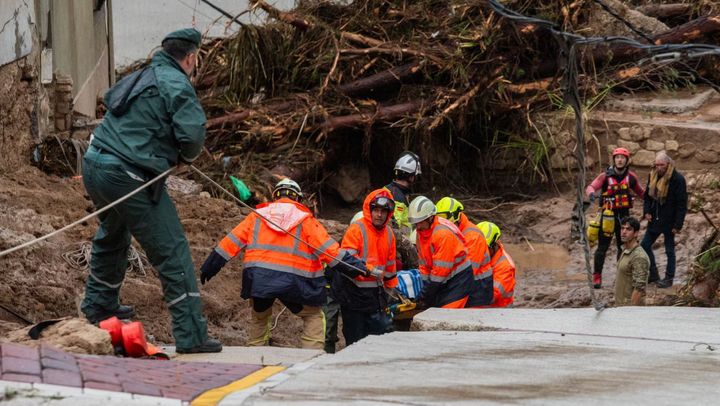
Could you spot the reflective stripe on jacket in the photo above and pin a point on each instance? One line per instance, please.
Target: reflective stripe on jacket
(377, 249)
(503, 278)
(276, 265)
(444, 263)
(479, 255)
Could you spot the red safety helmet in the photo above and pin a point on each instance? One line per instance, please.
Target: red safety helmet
(113, 325)
(621, 151)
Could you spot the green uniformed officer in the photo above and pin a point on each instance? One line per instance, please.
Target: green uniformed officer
(154, 122)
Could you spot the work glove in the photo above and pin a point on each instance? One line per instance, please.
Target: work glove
(212, 265)
(349, 264)
(378, 273)
(592, 197)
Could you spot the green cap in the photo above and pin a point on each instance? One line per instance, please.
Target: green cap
(186, 34)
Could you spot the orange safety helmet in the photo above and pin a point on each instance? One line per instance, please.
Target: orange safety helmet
(621, 151)
(113, 325)
(131, 338)
(136, 345)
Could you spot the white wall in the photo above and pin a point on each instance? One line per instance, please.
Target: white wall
(140, 25)
(17, 19)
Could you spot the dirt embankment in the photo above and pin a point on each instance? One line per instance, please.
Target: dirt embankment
(39, 284)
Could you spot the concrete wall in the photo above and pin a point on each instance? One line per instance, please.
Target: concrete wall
(17, 19)
(79, 40)
(140, 25)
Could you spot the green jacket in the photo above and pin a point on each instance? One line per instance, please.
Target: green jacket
(163, 124)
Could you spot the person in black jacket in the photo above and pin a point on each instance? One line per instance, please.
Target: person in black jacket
(665, 206)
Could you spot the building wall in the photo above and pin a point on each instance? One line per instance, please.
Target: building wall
(17, 19)
(79, 40)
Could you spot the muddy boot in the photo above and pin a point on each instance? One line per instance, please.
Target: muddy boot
(259, 328)
(313, 335)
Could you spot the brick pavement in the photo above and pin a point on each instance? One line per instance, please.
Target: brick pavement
(169, 379)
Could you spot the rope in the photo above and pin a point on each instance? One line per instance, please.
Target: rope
(277, 318)
(79, 258)
(201, 173)
(88, 217)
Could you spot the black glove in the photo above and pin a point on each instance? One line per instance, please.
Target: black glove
(592, 197)
(348, 265)
(213, 264)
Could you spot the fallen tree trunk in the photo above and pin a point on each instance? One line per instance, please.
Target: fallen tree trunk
(228, 119)
(665, 10)
(382, 80)
(364, 119)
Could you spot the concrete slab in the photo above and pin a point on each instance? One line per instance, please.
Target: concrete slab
(679, 102)
(683, 324)
(18, 394)
(470, 368)
(249, 355)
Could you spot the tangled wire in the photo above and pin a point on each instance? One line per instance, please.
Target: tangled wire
(79, 258)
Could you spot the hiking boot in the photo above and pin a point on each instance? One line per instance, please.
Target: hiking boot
(210, 345)
(597, 280)
(665, 283)
(121, 312)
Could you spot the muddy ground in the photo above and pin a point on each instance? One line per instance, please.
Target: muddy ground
(37, 283)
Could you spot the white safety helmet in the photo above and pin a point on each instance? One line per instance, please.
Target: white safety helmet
(408, 163)
(357, 217)
(420, 209)
(287, 188)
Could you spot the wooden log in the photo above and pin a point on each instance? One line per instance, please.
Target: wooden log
(382, 80)
(665, 10)
(228, 119)
(380, 114)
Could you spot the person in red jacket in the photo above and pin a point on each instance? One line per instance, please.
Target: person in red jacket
(444, 263)
(278, 266)
(502, 264)
(478, 252)
(363, 299)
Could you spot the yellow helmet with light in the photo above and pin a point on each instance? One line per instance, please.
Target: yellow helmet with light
(490, 231)
(449, 208)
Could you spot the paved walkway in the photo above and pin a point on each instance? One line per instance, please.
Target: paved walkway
(183, 381)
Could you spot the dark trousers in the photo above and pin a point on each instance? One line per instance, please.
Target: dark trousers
(648, 240)
(156, 226)
(604, 243)
(332, 314)
(358, 325)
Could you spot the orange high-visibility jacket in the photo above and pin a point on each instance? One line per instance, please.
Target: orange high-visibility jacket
(503, 278)
(479, 255)
(444, 265)
(277, 265)
(375, 247)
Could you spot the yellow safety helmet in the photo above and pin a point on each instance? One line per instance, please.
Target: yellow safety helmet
(357, 217)
(449, 208)
(421, 208)
(490, 231)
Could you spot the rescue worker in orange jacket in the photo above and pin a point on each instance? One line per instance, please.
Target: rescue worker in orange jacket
(478, 252)
(363, 300)
(278, 266)
(502, 265)
(444, 263)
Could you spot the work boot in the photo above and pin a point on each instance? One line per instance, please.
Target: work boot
(122, 312)
(665, 283)
(210, 345)
(313, 334)
(597, 280)
(259, 328)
